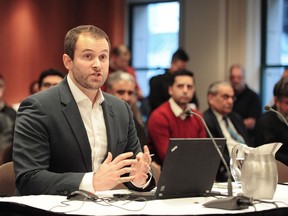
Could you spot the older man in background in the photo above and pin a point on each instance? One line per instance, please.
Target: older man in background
(123, 85)
(223, 122)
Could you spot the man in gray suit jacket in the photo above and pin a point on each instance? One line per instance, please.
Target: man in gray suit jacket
(74, 136)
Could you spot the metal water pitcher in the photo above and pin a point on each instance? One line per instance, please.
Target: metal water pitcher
(258, 171)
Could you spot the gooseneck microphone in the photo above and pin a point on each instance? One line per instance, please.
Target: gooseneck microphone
(189, 112)
(268, 108)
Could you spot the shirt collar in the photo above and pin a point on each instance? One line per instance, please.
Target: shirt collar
(218, 115)
(79, 95)
(177, 110)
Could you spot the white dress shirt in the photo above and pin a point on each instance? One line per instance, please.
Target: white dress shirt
(93, 119)
(230, 141)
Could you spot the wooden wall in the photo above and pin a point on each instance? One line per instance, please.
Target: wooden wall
(32, 33)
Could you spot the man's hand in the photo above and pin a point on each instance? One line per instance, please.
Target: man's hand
(141, 169)
(110, 172)
(250, 122)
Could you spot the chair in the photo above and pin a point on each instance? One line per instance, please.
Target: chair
(282, 172)
(7, 179)
(6, 153)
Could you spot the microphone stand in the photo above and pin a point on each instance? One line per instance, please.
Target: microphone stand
(229, 177)
(268, 108)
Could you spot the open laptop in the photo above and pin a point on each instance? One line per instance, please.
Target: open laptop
(189, 169)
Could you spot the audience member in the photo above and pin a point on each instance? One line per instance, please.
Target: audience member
(46, 79)
(33, 88)
(122, 85)
(74, 136)
(159, 84)
(247, 102)
(6, 138)
(284, 74)
(120, 57)
(7, 120)
(223, 122)
(170, 120)
(271, 127)
(49, 78)
(5, 108)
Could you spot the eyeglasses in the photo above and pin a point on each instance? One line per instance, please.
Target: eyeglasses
(122, 92)
(226, 97)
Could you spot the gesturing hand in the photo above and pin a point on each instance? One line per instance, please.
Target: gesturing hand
(141, 168)
(110, 172)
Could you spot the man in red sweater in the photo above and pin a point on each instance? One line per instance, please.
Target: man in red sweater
(170, 120)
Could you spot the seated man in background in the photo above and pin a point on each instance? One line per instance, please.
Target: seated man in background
(5, 108)
(159, 84)
(247, 102)
(49, 78)
(7, 121)
(171, 120)
(120, 57)
(122, 85)
(271, 127)
(222, 122)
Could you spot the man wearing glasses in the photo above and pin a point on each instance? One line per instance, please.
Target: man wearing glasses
(222, 122)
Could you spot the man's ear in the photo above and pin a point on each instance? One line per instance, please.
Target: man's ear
(210, 99)
(276, 101)
(67, 61)
(170, 90)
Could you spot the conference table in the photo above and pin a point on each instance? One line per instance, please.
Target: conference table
(52, 205)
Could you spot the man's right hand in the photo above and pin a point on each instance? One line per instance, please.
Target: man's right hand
(110, 172)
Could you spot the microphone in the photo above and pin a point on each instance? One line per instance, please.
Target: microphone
(189, 112)
(268, 108)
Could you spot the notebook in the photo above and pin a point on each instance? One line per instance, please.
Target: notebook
(189, 169)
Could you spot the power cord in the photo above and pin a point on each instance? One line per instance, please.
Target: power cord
(105, 201)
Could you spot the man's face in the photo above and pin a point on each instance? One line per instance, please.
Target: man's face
(121, 62)
(50, 81)
(237, 79)
(89, 68)
(124, 90)
(182, 90)
(223, 100)
(282, 106)
(178, 65)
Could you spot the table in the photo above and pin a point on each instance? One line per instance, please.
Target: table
(51, 205)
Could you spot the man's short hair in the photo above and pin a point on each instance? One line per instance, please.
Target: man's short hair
(180, 54)
(180, 73)
(213, 87)
(281, 88)
(117, 76)
(73, 35)
(46, 73)
(120, 50)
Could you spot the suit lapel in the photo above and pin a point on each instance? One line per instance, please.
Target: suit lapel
(111, 125)
(73, 117)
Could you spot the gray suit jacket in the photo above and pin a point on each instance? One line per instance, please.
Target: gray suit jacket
(51, 151)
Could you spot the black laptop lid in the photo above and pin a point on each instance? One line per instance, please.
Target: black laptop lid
(189, 167)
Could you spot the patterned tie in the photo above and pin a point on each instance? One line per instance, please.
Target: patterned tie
(234, 135)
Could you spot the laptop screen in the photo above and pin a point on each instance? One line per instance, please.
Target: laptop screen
(189, 167)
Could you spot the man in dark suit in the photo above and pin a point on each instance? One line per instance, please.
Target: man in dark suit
(159, 84)
(222, 122)
(271, 126)
(74, 136)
